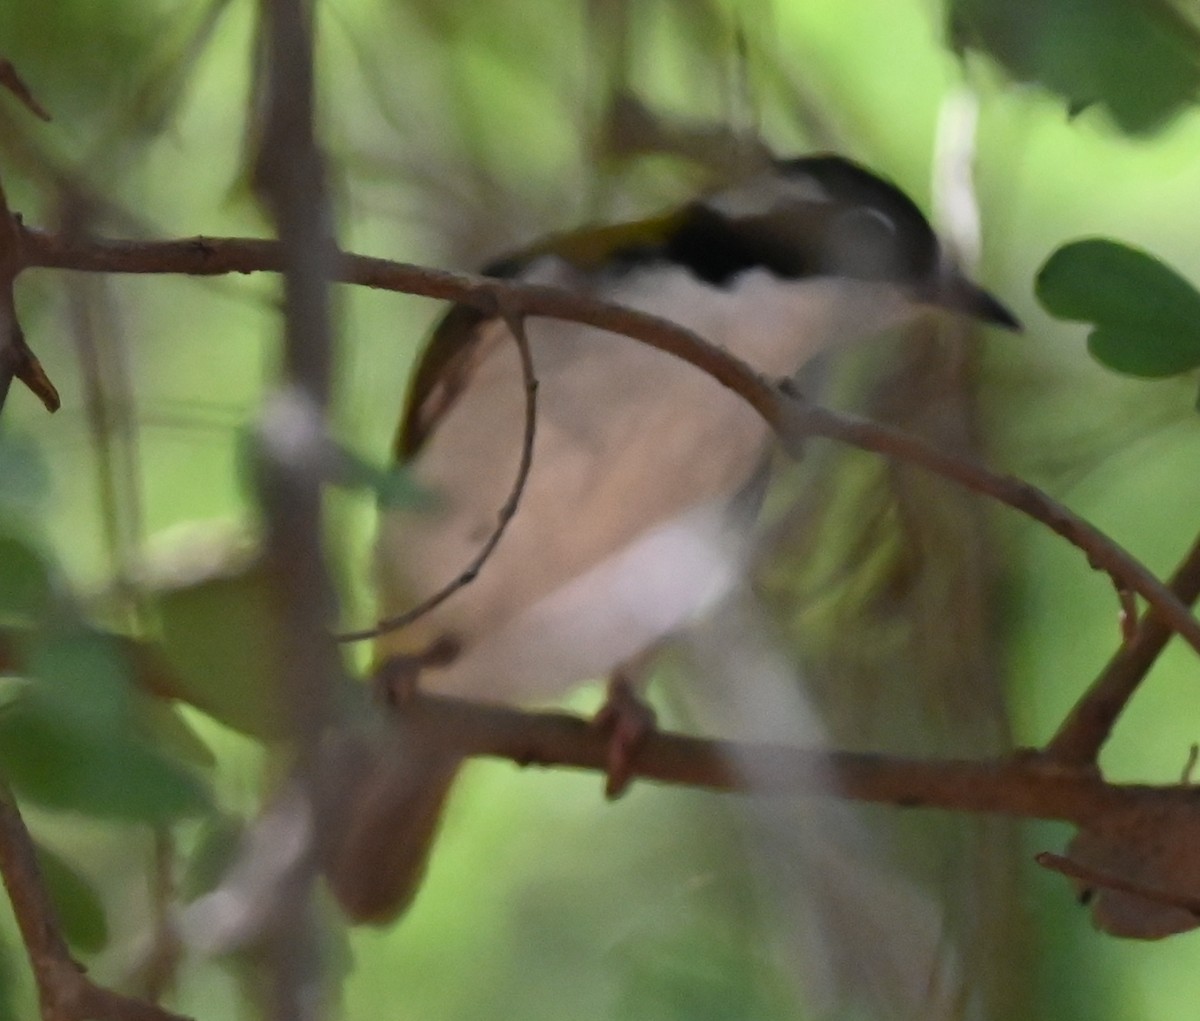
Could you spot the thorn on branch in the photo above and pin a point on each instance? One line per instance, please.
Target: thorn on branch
(1128, 615)
(12, 81)
(17, 361)
(1189, 767)
(1096, 880)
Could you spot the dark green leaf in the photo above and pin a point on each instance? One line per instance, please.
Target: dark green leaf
(25, 586)
(79, 907)
(163, 722)
(82, 680)
(71, 739)
(1150, 353)
(63, 767)
(8, 985)
(1146, 316)
(393, 486)
(220, 640)
(1138, 59)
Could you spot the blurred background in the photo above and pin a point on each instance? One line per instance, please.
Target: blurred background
(925, 622)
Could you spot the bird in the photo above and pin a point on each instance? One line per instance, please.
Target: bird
(637, 513)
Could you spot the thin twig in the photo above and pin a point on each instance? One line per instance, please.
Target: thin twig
(1087, 727)
(36, 918)
(65, 993)
(156, 974)
(792, 418)
(516, 327)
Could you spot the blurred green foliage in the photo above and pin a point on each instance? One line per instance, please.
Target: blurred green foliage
(71, 739)
(80, 910)
(457, 131)
(8, 986)
(1138, 59)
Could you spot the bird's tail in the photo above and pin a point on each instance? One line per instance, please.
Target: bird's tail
(382, 797)
(844, 925)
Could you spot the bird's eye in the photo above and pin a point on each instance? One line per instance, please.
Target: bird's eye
(864, 243)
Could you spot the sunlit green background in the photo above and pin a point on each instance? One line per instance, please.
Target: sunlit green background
(453, 131)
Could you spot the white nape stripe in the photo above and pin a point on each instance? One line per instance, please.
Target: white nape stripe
(762, 195)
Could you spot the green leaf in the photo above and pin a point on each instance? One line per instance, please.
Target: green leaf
(82, 679)
(8, 986)
(118, 778)
(79, 907)
(1150, 354)
(26, 590)
(1146, 316)
(170, 732)
(393, 486)
(70, 739)
(217, 625)
(1138, 59)
(219, 636)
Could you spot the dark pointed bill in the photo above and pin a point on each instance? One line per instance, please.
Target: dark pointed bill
(956, 293)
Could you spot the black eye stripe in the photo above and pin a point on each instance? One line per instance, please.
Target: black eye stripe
(837, 219)
(841, 220)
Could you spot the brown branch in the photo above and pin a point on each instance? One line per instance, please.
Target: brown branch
(1127, 616)
(1103, 552)
(516, 327)
(17, 361)
(65, 993)
(289, 175)
(1100, 879)
(1024, 785)
(792, 418)
(1090, 722)
(36, 918)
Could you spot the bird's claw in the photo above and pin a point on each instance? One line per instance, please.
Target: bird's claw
(628, 720)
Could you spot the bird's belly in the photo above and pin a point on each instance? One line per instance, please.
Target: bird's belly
(622, 533)
(604, 617)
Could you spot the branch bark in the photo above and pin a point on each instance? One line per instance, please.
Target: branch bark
(289, 175)
(1026, 785)
(792, 418)
(65, 993)
(1087, 727)
(17, 361)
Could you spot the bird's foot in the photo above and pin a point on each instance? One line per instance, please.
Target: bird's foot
(397, 676)
(628, 721)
